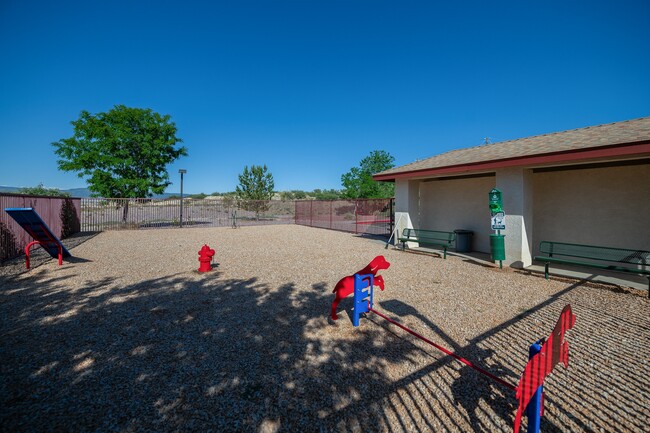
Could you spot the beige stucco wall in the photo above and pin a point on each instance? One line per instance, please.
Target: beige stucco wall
(407, 208)
(597, 206)
(516, 186)
(458, 204)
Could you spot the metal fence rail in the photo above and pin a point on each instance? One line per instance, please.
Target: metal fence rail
(364, 216)
(100, 214)
(61, 214)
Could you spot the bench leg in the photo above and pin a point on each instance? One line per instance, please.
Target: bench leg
(444, 256)
(648, 287)
(546, 271)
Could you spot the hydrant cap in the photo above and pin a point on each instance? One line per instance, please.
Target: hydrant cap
(206, 251)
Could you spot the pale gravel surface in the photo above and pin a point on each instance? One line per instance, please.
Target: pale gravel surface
(129, 337)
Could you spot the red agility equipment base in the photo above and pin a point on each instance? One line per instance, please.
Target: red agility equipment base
(461, 359)
(552, 350)
(29, 245)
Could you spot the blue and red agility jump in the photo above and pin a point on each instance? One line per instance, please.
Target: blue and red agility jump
(544, 355)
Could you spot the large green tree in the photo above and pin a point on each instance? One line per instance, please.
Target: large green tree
(122, 153)
(358, 182)
(255, 188)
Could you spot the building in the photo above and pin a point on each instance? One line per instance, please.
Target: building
(586, 186)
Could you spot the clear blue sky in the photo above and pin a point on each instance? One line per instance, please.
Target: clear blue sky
(311, 87)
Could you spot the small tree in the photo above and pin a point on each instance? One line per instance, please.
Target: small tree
(358, 182)
(255, 189)
(123, 153)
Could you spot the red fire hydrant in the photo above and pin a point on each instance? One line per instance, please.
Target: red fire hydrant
(205, 258)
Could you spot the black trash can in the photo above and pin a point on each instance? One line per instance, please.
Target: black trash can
(463, 240)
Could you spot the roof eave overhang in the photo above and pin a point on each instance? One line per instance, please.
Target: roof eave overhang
(605, 152)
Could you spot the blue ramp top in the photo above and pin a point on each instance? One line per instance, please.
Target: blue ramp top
(34, 225)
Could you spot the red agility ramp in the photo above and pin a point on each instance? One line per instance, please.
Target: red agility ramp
(32, 223)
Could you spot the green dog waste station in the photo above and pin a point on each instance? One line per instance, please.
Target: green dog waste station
(497, 217)
(498, 247)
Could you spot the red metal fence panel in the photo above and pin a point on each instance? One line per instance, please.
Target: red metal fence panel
(365, 216)
(61, 214)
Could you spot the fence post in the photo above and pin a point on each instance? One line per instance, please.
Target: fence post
(330, 215)
(391, 216)
(356, 216)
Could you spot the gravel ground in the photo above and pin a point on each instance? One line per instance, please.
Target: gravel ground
(127, 336)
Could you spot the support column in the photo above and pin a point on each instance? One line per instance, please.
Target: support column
(516, 184)
(407, 206)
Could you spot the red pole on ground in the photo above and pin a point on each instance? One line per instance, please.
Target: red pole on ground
(459, 358)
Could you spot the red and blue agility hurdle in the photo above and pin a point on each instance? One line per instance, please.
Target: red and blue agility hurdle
(544, 354)
(346, 286)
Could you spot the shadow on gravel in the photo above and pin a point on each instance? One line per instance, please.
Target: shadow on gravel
(39, 256)
(181, 354)
(604, 372)
(197, 353)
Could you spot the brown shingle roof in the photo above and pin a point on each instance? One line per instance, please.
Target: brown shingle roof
(629, 131)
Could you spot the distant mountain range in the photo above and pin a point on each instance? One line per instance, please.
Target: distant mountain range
(75, 192)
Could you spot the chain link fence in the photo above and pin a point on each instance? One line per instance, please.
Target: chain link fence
(363, 216)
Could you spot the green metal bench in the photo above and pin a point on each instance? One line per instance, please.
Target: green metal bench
(613, 259)
(428, 237)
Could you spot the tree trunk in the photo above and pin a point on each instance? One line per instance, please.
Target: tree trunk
(125, 212)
